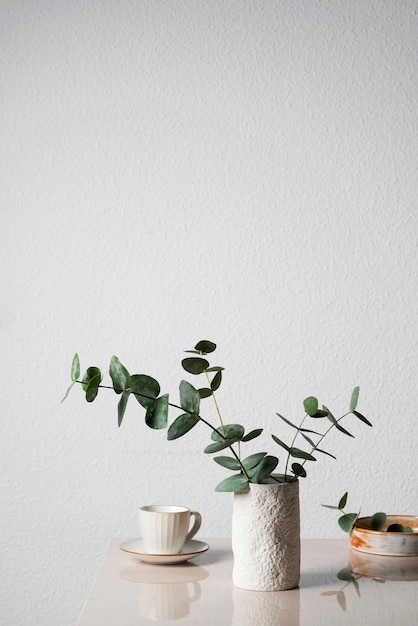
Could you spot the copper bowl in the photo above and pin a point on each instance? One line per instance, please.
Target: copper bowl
(364, 539)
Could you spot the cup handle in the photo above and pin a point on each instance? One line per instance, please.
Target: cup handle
(196, 525)
(197, 590)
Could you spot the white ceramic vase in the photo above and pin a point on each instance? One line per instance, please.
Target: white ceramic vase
(266, 536)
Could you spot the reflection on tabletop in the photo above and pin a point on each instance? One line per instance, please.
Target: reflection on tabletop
(343, 586)
(165, 592)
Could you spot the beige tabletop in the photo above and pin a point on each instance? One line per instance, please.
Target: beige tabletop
(337, 587)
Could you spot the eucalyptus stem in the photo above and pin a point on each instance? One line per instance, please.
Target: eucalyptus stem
(216, 403)
(177, 406)
(236, 455)
(174, 406)
(292, 444)
(228, 436)
(326, 433)
(239, 461)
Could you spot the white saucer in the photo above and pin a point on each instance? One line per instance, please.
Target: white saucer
(191, 549)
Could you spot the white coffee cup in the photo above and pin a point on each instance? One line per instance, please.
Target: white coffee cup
(165, 528)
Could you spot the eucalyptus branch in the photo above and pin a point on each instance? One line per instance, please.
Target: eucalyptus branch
(174, 406)
(293, 443)
(255, 468)
(177, 406)
(216, 403)
(378, 521)
(236, 455)
(315, 447)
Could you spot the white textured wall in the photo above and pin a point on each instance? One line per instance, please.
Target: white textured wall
(242, 171)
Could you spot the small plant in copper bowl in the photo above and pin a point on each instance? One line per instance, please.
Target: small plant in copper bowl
(382, 534)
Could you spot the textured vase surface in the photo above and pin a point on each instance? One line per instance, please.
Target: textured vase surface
(266, 537)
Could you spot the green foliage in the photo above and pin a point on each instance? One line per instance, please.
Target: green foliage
(254, 468)
(228, 462)
(204, 392)
(157, 415)
(75, 375)
(253, 460)
(377, 521)
(90, 383)
(145, 389)
(310, 405)
(298, 470)
(205, 347)
(399, 528)
(232, 432)
(347, 521)
(189, 398)
(354, 398)
(195, 365)
(238, 482)
(216, 382)
(263, 469)
(361, 417)
(122, 404)
(119, 374)
(75, 368)
(252, 434)
(343, 501)
(182, 425)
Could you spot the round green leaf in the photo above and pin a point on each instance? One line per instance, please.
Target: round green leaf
(145, 388)
(195, 365)
(218, 446)
(396, 528)
(298, 470)
(90, 373)
(311, 405)
(346, 522)
(238, 482)
(264, 468)
(182, 425)
(232, 432)
(253, 460)
(378, 521)
(204, 392)
(227, 461)
(205, 347)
